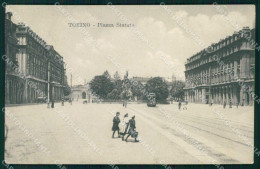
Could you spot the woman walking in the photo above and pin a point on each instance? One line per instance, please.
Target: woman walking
(124, 125)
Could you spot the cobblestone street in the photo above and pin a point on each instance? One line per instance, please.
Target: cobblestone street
(197, 135)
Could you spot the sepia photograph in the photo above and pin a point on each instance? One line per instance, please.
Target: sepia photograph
(130, 84)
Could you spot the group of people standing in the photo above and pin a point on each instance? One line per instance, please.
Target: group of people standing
(230, 104)
(210, 104)
(52, 102)
(128, 127)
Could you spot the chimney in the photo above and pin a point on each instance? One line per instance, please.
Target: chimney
(8, 15)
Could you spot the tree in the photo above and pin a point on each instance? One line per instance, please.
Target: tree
(67, 90)
(159, 87)
(117, 76)
(118, 85)
(138, 90)
(114, 94)
(106, 74)
(177, 90)
(126, 94)
(101, 85)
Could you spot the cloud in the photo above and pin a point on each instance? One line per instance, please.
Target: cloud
(172, 44)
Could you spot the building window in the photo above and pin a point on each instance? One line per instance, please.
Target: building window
(24, 41)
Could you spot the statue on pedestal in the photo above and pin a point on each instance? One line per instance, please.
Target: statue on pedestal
(126, 93)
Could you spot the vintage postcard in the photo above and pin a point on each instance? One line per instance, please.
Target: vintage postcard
(128, 84)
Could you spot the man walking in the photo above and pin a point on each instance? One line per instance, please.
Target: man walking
(62, 102)
(131, 130)
(230, 103)
(52, 104)
(179, 104)
(115, 126)
(224, 104)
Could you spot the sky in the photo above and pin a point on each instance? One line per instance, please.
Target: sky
(158, 45)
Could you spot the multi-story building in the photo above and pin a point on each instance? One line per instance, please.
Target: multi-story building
(32, 58)
(56, 77)
(83, 92)
(13, 82)
(224, 72)
(39, 70)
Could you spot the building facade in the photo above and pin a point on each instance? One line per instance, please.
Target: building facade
(83, 92)
(14, 84)
(224, 72)
(33, 69)
(56, 74)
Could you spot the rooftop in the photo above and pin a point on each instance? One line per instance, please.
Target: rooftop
(221, 41)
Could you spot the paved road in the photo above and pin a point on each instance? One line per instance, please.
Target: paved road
(81, 134)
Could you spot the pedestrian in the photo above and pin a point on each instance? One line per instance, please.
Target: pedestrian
(52, 104)
(210, 103)
(115, 126)
(237, 104)
(125, 124)
(224, 104)
(185, 105)
(179, 104)
(62, 102)
(123, 103)
(230, 103)
(131, 132)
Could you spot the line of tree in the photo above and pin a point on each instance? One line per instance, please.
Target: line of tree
(107, 87)
(158, 86)
(177, 90)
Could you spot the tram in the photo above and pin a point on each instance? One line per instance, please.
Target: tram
(151, 100)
